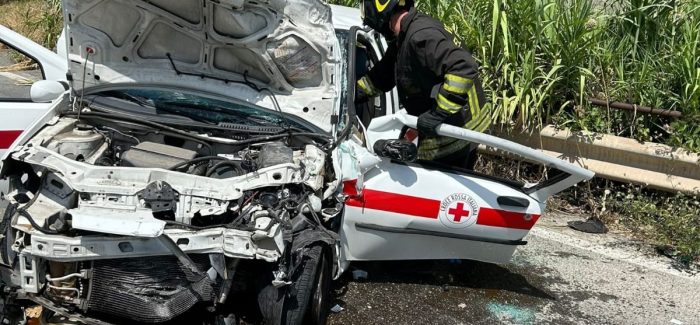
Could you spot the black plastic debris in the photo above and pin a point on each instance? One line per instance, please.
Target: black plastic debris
(591, 226)
(400, 150)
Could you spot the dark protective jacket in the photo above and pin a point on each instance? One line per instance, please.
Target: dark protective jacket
(431, 72)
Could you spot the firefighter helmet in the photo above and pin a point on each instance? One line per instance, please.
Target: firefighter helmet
(377, 13)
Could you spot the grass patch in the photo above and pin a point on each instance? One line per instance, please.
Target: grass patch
(38, 20)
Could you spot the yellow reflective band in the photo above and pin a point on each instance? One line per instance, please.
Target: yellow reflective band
(454, 89)
(457, 84)
(457, 146)
(474, 105)
(486, 123)
(448, 105)
(474, 122)
(480, 122)
(366, 85)
(456, 78)
(381, 6)
(437, 143)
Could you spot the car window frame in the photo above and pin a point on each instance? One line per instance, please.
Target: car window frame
(41, 68)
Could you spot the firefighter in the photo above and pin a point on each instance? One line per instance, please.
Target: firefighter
(436, 79)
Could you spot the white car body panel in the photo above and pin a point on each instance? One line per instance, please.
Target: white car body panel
(409, 197)
(54, 67)
(345, 18)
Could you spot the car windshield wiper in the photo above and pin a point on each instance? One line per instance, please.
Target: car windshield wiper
(141, 101)
(215, 114)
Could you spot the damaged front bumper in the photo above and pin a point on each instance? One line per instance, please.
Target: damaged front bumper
(230, 242)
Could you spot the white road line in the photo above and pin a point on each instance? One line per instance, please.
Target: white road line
(628, 256)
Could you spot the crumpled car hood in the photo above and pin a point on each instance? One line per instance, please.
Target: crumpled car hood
(286, 46)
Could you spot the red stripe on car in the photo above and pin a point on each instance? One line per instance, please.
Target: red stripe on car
(429, 208)
(506, 219)
(8, 137)
(396, 203)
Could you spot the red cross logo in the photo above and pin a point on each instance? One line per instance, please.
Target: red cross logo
(459, 212)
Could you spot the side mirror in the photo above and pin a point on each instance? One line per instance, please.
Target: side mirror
(44, 91)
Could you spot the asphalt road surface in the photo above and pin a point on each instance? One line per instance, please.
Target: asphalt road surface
(560, 277)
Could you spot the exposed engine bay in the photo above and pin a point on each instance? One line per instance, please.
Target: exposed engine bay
(92, 196)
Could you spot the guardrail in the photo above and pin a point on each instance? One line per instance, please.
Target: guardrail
(654, 165)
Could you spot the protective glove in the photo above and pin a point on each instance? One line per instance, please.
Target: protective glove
(360, 96)
(364, 90)
(429, 121)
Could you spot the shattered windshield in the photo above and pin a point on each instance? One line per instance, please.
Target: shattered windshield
(202, 109)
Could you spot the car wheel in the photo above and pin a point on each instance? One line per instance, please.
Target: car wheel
(318, 309)
(305, 300)
(308, 295)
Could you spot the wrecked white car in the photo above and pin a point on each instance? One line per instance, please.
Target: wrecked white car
(206, 160)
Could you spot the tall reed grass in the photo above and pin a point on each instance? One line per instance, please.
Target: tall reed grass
(40, 20)
(542, 59)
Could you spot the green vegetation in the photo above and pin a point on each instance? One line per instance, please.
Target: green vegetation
(40, 20)
(542, 59)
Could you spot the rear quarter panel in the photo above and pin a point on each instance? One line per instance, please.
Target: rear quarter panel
(414, 197)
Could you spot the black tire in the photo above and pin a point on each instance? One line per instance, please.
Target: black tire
(5, 241)
(320, 300)
(308, 298)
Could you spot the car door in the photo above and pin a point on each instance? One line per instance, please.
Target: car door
(22, 62)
